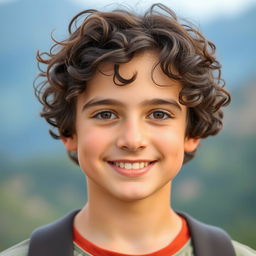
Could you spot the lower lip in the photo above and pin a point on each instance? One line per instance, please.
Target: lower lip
(131, 172)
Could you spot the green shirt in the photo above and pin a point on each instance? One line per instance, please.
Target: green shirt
(21, 249)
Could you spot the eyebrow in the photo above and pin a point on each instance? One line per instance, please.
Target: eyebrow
(113, 102)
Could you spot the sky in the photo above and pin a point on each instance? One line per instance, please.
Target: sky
(199, 10)
(204, 10)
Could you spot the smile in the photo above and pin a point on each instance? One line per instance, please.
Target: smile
(136, 165)
(131, 169)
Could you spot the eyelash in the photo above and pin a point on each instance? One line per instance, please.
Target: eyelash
(99, 115)
(166, 114)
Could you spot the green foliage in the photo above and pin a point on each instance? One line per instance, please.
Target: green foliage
(34, 192)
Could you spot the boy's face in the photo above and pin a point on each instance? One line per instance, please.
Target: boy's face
(130, 139)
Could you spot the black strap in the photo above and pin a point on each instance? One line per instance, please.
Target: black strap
(56, 239)
(208, 240)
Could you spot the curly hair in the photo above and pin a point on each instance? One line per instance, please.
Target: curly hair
(97, 37)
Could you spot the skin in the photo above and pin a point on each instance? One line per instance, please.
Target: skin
(130, 214)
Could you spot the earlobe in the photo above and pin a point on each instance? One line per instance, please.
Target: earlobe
(191, 144)
(70, 143)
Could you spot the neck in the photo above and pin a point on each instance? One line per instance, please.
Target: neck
(105, 219)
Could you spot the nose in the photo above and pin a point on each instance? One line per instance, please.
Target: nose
(132, 136)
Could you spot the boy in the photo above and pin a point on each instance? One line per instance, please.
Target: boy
(131, 96)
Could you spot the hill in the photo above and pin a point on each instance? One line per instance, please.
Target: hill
(26, 26)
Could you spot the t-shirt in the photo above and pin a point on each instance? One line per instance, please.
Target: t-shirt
(21, 249)
(186, 250)
(181, 241)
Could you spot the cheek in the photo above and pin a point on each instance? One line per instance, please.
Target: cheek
(171, 146)
(92, 143)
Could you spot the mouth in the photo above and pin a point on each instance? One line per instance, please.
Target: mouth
(131, 168)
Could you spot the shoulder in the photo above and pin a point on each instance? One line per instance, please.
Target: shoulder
(20, 249)
(243, 250)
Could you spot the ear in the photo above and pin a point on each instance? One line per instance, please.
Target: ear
(191, 144)
(70, 143)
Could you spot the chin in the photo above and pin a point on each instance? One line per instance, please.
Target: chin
(132, 198)
(133, 195)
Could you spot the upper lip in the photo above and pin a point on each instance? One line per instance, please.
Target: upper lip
(131, 161)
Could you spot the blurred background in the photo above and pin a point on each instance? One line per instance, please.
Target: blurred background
(37, 181)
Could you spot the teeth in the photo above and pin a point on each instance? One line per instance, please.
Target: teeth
(128, 166)
(137, 165)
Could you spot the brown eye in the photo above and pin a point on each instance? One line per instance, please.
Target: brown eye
(105, 115)
(159, 115)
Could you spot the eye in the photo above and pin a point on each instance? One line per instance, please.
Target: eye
(105, 115)
(160, 115)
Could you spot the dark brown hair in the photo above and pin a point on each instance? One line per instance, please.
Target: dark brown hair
(99, 37)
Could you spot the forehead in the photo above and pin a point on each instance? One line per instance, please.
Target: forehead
(150, 81)
(145, 65)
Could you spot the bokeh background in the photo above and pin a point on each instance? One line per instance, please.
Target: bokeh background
(37, 181)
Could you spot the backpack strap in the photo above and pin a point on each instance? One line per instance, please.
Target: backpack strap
(208, 240)
(57, 238)
(53, 239)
